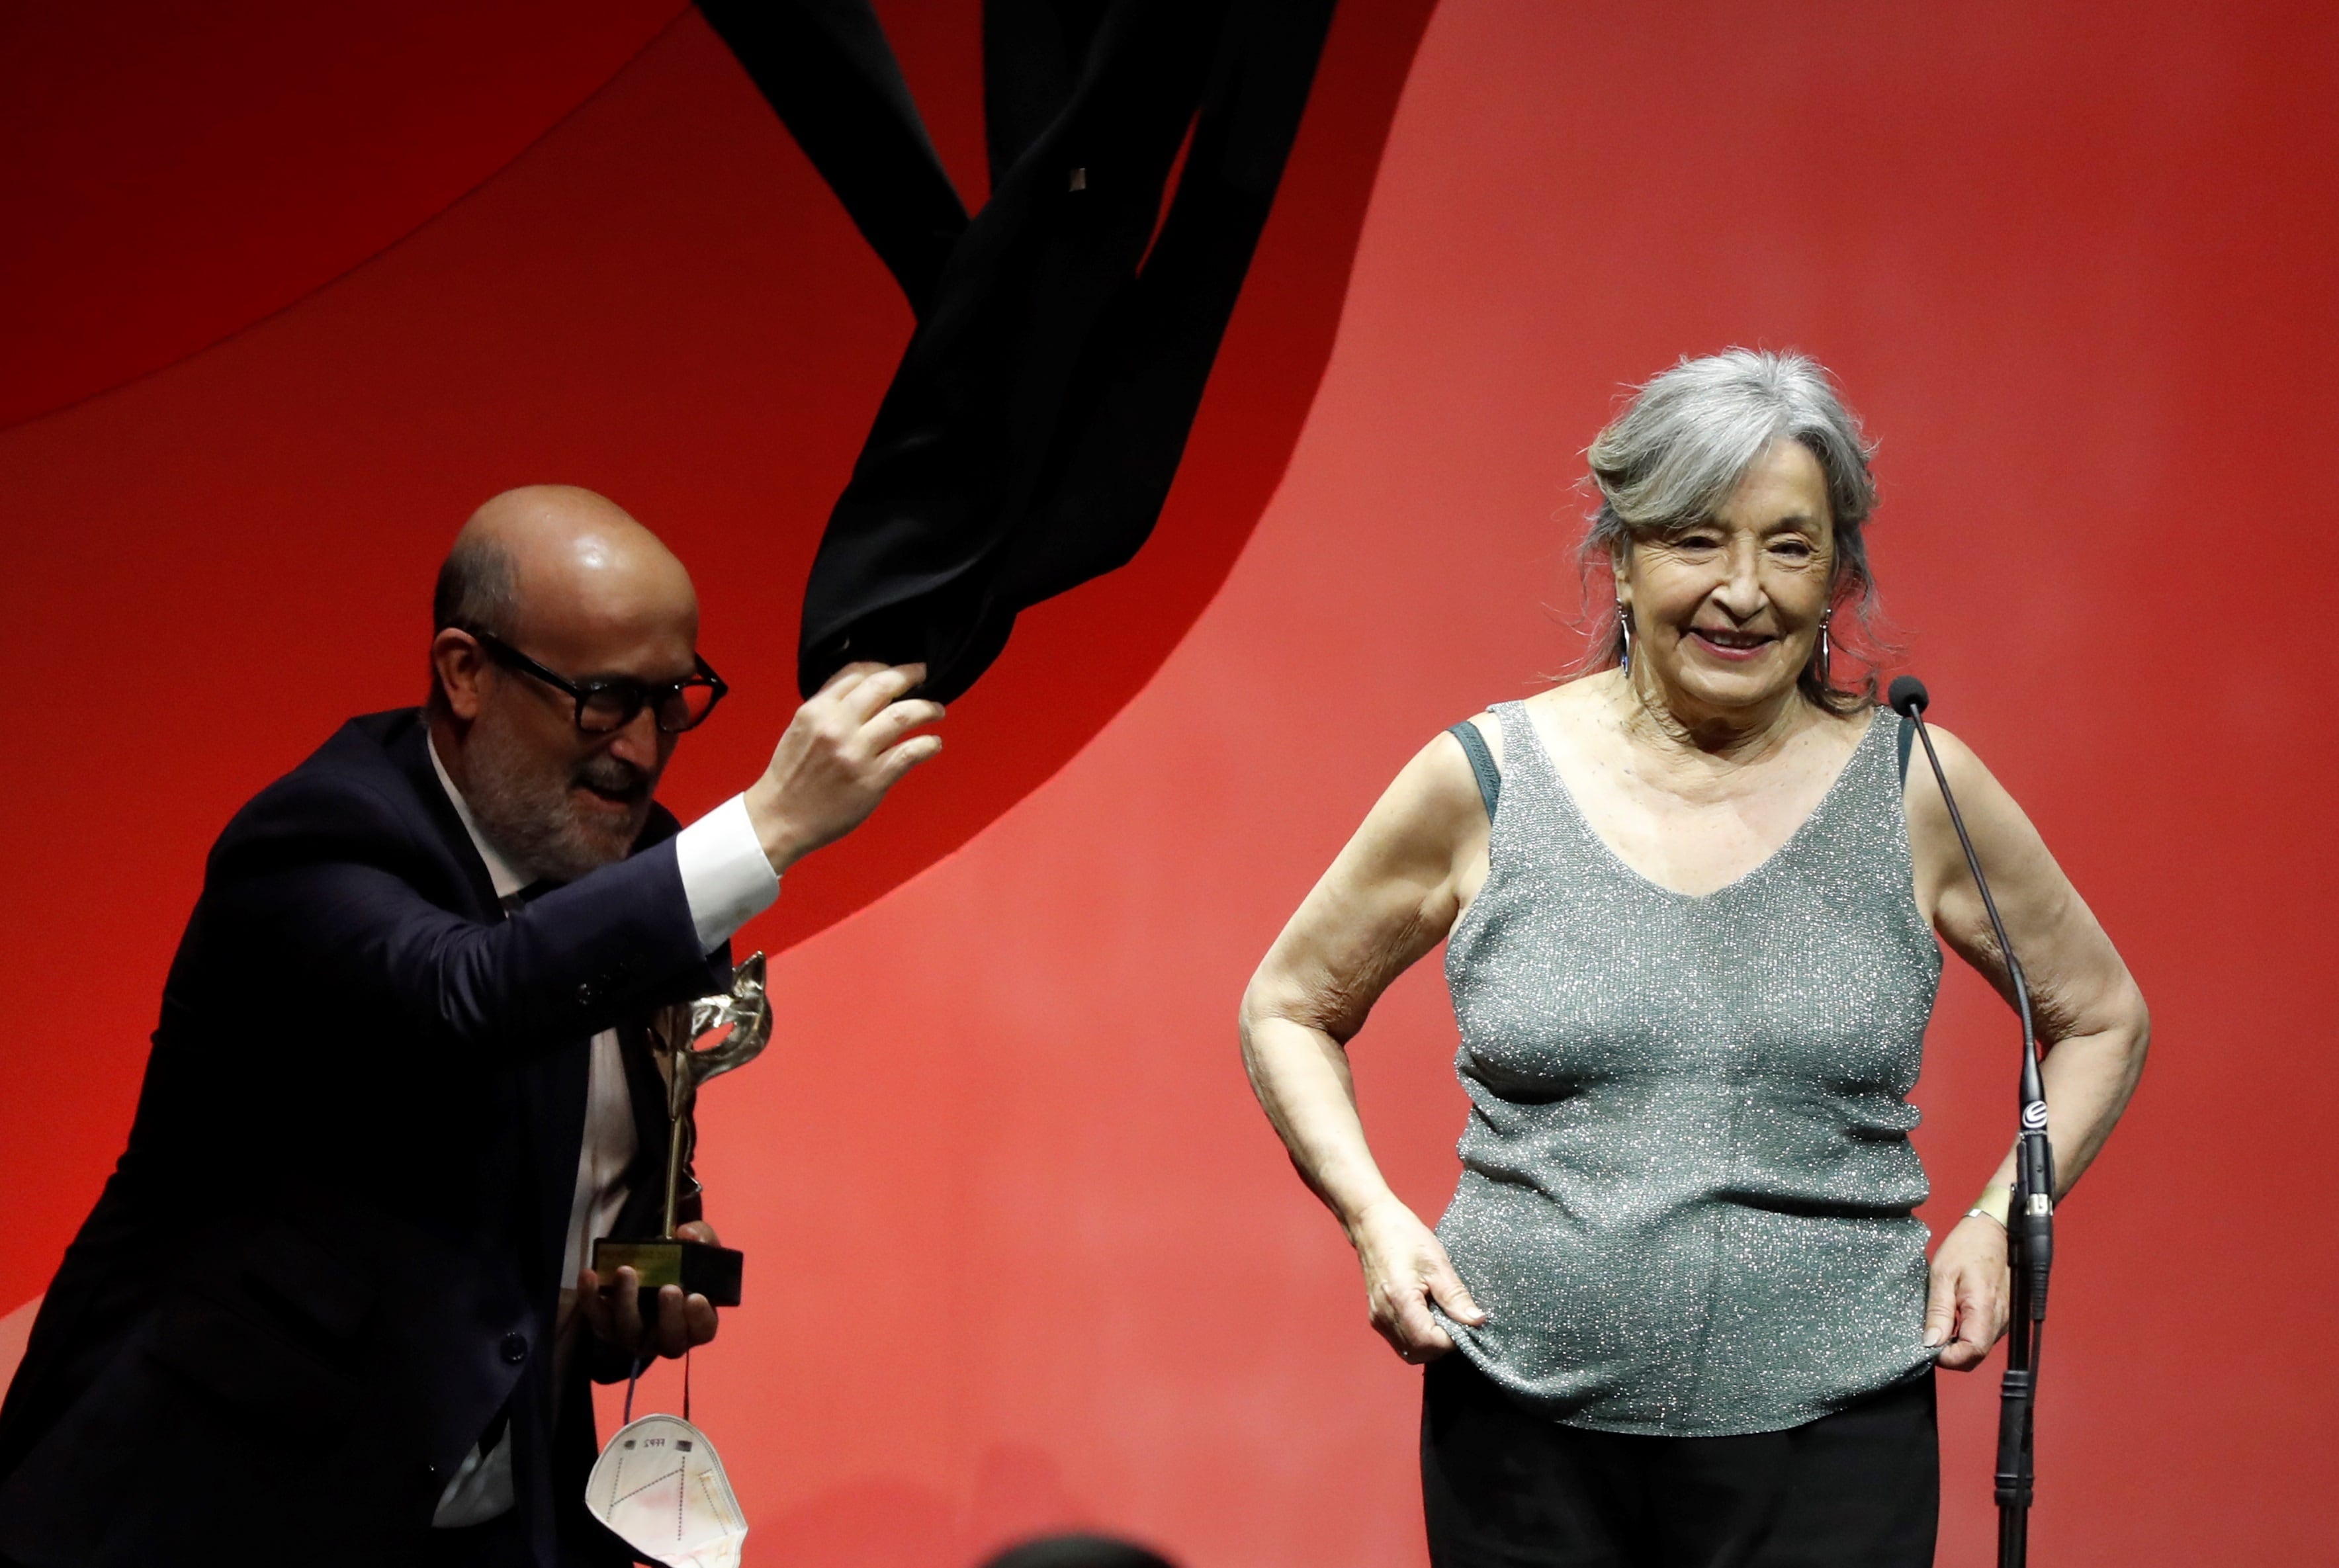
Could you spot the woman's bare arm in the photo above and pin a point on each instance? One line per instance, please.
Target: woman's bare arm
(1389, 898)
(2091, 1018)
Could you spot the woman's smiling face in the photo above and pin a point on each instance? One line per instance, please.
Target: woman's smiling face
(1725, 613)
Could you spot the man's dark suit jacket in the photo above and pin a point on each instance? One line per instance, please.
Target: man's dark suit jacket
(330, 1254)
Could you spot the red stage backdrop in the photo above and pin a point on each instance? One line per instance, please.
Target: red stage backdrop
(1025, 1255)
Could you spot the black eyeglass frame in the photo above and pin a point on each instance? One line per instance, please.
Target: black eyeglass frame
(634, 694)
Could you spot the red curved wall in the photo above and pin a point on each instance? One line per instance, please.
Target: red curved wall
(1024, 1254)
(175, 173)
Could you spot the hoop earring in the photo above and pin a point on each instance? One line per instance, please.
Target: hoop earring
(1821, 657)
(1624, 630)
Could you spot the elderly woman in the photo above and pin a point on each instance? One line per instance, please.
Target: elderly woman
(1689, 905)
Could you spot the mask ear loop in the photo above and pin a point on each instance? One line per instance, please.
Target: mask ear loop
(634, 1378)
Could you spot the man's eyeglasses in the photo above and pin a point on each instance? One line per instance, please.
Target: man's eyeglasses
(610, 704)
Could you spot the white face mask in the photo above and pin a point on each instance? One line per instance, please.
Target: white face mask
(660, 1488)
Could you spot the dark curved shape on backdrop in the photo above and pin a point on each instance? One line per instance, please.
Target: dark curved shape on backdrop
(825, 68)
(1032, 431)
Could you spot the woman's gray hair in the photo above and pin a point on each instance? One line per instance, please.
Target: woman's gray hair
(1683, 443)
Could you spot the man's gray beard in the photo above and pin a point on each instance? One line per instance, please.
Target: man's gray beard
(523, 806)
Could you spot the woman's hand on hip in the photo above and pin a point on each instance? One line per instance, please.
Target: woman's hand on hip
(1406, 1268)
(1965, 1309)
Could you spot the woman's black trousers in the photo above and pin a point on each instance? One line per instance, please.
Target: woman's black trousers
(1504, 1488)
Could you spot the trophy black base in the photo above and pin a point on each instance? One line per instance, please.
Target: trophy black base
(700, 1269)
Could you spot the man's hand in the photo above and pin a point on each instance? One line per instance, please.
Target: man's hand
(675, 1324)
(843, 750)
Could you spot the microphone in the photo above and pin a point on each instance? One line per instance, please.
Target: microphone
(2030, 1220)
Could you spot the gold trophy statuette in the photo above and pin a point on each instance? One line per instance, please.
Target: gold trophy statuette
(740, 1023)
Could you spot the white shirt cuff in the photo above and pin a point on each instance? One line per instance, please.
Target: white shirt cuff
(725, 874)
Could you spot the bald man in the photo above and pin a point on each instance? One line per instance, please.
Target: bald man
(333, 1307)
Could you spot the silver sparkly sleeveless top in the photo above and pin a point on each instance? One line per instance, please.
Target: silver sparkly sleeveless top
(1687, 1190)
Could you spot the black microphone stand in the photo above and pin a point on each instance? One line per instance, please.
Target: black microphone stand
(2030, 1217)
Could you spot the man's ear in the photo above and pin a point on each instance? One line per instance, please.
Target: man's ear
(457, 663)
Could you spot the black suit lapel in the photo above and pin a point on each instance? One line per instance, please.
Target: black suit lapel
(553, 1090)
(551, 1087)
(410, 751)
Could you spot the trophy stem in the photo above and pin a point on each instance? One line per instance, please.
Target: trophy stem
(739, 1023)
(674, 1152)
